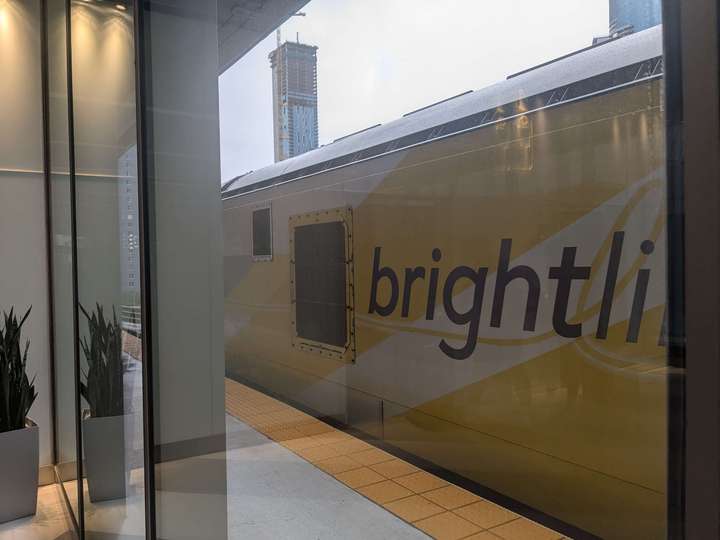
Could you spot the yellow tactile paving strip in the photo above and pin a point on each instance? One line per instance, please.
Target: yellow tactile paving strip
(441, 510)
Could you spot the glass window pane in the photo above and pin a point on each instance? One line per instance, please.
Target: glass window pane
(179, 103)
(106, 199)
(62, 258)
(503, 279)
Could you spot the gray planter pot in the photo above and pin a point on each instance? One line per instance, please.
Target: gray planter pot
(19, 466)
(104, 440)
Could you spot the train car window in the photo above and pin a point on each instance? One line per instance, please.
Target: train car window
(262, 234)
(322, 283)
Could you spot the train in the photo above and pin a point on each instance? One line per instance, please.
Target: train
(480, 284)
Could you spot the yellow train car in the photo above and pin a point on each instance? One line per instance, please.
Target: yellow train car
(480, 284)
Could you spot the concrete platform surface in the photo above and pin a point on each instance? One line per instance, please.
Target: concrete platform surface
(274, 494)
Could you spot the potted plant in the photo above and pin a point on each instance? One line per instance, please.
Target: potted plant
(104, 421)
(19, 447)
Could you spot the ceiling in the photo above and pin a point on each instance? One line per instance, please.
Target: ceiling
(244, 23)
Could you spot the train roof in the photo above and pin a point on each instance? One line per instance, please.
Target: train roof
(634, 51)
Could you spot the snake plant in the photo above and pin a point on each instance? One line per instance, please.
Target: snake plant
(103, 386)
(17, 392)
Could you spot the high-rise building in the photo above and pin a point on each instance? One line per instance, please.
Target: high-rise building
(638, 14)
(129, 228)
(129, 221)
(295, 114)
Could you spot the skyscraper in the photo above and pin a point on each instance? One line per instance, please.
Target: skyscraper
(640, 14)
(295, 115)
(129, 229)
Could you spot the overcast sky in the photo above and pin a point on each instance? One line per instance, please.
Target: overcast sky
(378, 59)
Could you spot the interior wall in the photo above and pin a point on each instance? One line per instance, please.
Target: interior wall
(23, 252)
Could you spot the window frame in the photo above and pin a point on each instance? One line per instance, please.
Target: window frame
(257, 208)
(347, 352)
(692, 44)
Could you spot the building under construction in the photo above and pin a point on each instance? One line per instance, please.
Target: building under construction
(295, 114)
(634, 15)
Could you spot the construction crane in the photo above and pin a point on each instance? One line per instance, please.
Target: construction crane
(278, 35)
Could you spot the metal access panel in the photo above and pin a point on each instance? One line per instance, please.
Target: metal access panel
(321, 283)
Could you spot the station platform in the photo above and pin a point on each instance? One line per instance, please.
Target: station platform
(423, 501)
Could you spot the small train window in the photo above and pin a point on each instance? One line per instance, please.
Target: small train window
(262, 234)
(321, 283)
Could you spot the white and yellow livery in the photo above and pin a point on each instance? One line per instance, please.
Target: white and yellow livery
(480, 284)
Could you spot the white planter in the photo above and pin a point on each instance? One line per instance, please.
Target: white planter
(19, 466)
(104, 441)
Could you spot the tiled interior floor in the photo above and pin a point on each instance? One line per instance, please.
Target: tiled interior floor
(51, 522)
(436, 507)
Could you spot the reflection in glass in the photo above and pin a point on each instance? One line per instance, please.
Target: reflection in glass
(60, 194)
(102, 388)
(491, 298)
(107, 265)
(181, 150)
